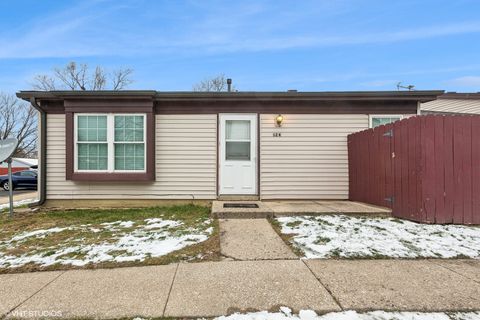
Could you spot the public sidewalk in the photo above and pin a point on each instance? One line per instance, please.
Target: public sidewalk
(17, 196)
(220, 288)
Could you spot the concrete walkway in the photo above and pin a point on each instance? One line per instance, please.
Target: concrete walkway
(268, 209)
(252, 239)
(18, 195)
(220, 288)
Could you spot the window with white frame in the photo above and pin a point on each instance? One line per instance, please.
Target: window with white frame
(110, 142)
(237, 140)
(379, 120)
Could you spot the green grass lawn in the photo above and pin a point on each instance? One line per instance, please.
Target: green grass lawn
(372, 237)
(92, 238)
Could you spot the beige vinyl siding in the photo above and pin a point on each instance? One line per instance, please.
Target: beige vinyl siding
(186, 158)
(468, 106)
(402, 116)
(310, 159)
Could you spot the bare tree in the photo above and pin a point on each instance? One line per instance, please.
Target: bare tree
(213, 84)
(75, 76)
(44, 82)
(121, 78)
(99, 79)
(19, 120)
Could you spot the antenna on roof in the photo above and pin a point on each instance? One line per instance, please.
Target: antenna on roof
(409, 87)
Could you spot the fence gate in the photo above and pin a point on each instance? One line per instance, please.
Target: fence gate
(425, 168)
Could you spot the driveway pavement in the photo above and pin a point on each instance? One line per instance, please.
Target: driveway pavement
(21, 194)
(220, 288)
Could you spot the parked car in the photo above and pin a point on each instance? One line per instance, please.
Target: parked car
(21, 179)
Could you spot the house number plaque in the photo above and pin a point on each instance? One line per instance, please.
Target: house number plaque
(277, 134)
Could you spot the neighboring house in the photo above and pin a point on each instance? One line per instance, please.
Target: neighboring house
(453, 103)
(149, 145)
(19, 164)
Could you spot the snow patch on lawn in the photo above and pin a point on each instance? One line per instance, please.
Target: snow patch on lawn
(159, 223)
(18, 203)
(348, 236)
(36, 234)
(131, 241)
(286, 314)
(123, 224)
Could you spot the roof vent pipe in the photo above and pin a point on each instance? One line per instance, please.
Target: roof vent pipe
(229, 84)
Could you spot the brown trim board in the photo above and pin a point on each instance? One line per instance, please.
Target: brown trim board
(289, 107)
(70, 174)
(300, 107)
(419, 95)
(258, 156)
(218, 155)
(361, 102)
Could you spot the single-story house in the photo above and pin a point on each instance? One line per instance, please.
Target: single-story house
(453, 103)
(19, 164)
(126, 146)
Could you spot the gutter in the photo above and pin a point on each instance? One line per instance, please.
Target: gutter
(423, 95)
(43, 153)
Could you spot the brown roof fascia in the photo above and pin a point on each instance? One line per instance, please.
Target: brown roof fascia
(180, 98)
(421, 96)
(191, 95)
(463, 95)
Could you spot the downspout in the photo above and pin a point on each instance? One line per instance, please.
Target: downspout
(43, 153)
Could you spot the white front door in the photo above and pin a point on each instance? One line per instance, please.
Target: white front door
(238, 154)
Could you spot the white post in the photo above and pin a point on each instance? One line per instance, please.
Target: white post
(10, 185)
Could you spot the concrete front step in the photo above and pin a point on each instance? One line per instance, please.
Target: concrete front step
(268, 209)
(263, 211)
(238, 198)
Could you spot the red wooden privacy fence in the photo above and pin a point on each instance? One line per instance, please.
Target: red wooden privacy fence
(5, 170)
(425, 168)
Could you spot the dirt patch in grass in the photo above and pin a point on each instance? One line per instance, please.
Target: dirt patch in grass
(78, 229)
(287, 238)
(48, 218)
